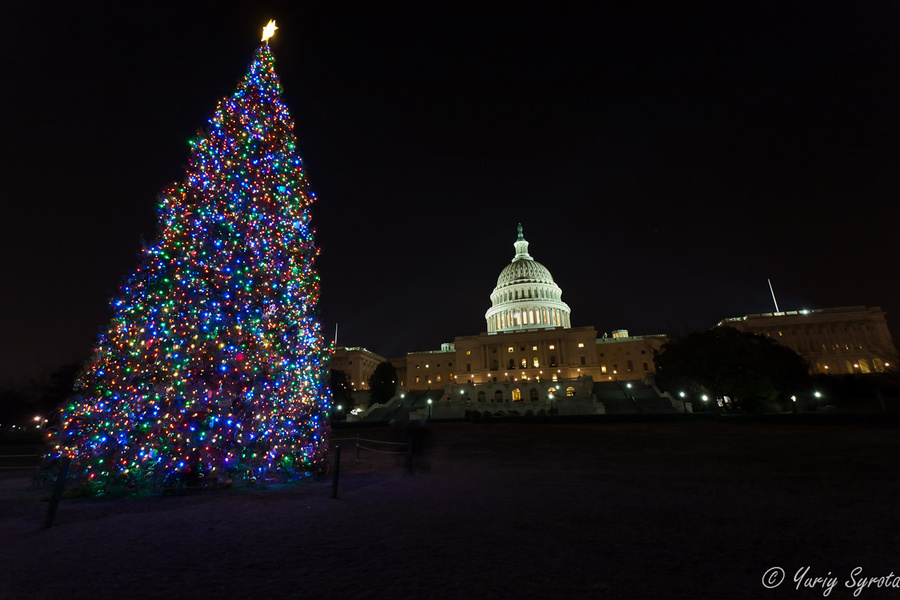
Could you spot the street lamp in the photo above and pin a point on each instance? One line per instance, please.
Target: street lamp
(429, 408)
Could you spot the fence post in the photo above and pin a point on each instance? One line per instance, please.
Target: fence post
(336, 471)
(58, 488)
(409, 450)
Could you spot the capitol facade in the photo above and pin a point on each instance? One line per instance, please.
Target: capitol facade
(529, 360)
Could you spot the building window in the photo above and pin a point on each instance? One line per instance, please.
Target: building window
(439, 377)
(417, 380)
(552, 347)
(510, 349)
(630, 366)
(512, 364)
(516, 395)
(536, 363)
(581, 344)
(646, 367)
(552, 361)
(554, 378)
(498, 396)
(468, 367)
(534, 348)
(583, 361)
(570, 392)
(524, 363)
(481, 396)
(533, 395)
(468, 352)
(603, 368)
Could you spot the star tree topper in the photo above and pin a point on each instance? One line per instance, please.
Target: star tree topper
(269, 30)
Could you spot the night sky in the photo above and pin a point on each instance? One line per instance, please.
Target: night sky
(663, 162)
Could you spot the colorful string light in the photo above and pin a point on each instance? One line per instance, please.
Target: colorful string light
(213, 366)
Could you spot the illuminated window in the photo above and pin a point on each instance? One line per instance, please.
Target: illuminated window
(524, 363)
(536, 362)
(603, 368)
(581, 344)
(516, 395)
(417, 380)
(552, 347)
(534, 347)
(570, 391)
(468, 352)
(864, 366)
(438, 377)
(510, 349)
(554, 378)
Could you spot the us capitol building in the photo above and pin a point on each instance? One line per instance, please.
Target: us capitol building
(529, 359)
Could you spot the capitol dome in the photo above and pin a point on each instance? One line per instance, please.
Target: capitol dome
(526, 297)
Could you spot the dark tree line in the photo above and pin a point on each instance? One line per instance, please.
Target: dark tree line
(20, 403)
(757, 373)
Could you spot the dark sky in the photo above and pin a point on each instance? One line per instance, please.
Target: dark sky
(664, 162)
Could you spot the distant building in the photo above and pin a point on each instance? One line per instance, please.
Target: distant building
(850, 339)
(529, 359)
(358, 363)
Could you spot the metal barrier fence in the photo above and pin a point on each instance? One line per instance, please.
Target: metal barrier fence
(360, 446)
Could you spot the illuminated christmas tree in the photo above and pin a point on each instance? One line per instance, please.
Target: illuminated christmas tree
(213, 367)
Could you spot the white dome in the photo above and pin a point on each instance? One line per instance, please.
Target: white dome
(526, 297)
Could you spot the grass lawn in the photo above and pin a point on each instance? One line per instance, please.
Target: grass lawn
(680, 509)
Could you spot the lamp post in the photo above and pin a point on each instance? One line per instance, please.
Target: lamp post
(683, 403)
(429, 408)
